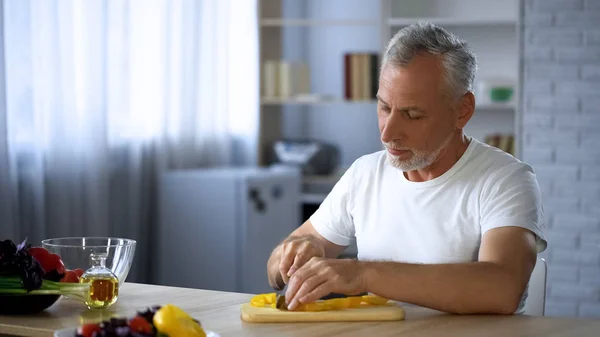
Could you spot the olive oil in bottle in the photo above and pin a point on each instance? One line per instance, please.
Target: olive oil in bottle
(104, 285)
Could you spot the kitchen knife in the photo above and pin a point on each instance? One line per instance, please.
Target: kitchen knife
(280, 301)
(281, 304)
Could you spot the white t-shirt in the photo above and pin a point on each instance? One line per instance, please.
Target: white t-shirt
(437, 221)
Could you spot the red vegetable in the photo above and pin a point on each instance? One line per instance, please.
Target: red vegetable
(87, 330)
(42, 255)
(70, 277)
(57, 263)
(140, 324)
(48, 261)
(78, 271)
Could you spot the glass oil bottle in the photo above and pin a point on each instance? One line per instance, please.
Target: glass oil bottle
(104, 284)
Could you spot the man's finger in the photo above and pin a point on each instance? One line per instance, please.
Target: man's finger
(320, 291)
(305, 272)
(308, 286)
(301, 258)
(286, 261)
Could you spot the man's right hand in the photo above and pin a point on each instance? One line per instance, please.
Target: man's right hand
(295, 252)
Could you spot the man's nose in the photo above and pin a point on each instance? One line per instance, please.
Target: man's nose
(392, 128)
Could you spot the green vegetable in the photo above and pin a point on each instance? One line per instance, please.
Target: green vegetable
(13, 285)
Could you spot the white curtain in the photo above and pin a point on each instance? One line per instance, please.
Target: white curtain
(104, 95)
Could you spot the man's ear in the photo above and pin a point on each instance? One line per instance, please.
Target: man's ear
(465, 108)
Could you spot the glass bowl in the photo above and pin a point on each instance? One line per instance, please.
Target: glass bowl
(75, 252)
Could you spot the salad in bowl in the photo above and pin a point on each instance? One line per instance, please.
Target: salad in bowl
(33, 279)
(157, 321)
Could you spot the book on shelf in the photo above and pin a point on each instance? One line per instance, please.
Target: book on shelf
(504, 142)
(361, 76)
(284, 79)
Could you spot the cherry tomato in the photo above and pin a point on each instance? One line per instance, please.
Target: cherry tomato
(87, 330)
(140, 324)
(78, 271)
(70, 277)
(48, 261)
(57, 263)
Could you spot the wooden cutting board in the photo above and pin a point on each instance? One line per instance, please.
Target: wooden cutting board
(388, 312)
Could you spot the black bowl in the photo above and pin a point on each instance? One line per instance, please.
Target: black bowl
(25, 304)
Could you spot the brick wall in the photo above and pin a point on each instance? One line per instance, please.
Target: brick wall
(561, 138)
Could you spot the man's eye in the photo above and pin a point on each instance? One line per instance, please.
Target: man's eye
(412, 115)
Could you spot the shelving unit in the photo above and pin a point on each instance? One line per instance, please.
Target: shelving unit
(269, 22)
(319, 101)
(319, 32)
(332, 101)
(453, 22)
(495, 107)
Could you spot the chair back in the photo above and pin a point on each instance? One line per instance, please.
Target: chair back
(536, 300)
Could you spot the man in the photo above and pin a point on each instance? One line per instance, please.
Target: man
(440, 219)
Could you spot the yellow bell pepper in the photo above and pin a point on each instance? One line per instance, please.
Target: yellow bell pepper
(173, 321)
(339, 303)
(270, 300)
(315, 306)
(355, 301)
(264, 299)
(374, 300)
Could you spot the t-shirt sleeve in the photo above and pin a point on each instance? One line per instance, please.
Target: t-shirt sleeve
(513, 198)
(333, 219)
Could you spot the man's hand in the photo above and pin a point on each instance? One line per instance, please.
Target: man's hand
(302, 245)
(320, 277)
(295, 252)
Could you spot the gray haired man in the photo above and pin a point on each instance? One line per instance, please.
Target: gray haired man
(440, 219)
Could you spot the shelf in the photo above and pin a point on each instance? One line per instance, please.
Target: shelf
(495, 106)
(294, 101)
(311, 101)
(313, 22)
(456, 22)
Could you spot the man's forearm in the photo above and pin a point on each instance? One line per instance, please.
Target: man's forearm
(468, 288)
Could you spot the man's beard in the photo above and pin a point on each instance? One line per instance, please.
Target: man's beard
(419, 160)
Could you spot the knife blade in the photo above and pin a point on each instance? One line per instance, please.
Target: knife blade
(337, 295)
(281, 304)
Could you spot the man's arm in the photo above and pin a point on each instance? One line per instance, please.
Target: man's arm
(494, 284)
(298, 248)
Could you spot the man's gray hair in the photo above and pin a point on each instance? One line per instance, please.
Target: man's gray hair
(459, 61)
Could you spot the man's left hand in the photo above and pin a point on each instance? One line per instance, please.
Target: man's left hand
(319, 277)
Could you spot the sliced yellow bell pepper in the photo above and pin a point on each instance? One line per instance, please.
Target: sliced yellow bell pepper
(315, 306)
(173, 321)
(344, 303)
(339, 303)
(355, 301)
(374, 300)
(264, 299)
(270, 300)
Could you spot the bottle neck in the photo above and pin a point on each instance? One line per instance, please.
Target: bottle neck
(98, 260)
